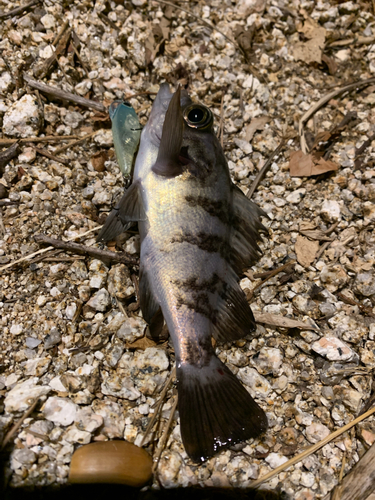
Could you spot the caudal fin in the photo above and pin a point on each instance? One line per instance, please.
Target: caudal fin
(216, 411)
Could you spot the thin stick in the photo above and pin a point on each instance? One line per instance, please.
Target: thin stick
(73, 143)
(16, 426)
(18, 10)
(274, 273)
(62, 94)
(311, 450)
(43, 250)
(221, 129)
(60, 34)
(45, 153)
(321, 103)
(159, 404)
(83, 249)
(211, 26)
(106, 20)
(47, 138)
(80, 59)
(342, 468)
(164, 437)
(265, 169)
(130, 96)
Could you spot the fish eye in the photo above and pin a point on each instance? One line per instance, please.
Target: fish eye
(197, 116)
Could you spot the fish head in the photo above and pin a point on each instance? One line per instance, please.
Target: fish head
(185, 138)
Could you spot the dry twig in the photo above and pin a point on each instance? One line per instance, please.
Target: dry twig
(310, 112)
(265, 169)
(19, 10)
(359, 483)
(74, 143)
(45, 153)
(65, 96)
(159, 404)
(313, 449)
(18, 424)
(43, 250)
(70, 246)
(47, 138)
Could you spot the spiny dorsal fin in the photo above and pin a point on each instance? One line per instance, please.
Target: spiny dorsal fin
(246, 231)
(167, 163)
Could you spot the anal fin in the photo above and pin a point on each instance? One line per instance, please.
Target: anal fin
(216, 411)
(234, 319)
(150, 308)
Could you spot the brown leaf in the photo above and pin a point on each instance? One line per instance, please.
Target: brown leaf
(281, 321)
(244, 38)
(306, 165)
(256, 124)
(306, 250)
(98, 160)
(156, 41)
(316, 234)
(144, 343)
(311, 50)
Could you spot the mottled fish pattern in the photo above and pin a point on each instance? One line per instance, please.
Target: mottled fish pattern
(198, 233)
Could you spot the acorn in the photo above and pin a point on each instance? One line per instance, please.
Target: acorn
(116, 462)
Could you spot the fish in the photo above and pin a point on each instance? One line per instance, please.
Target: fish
(126, 132)
(198, 233)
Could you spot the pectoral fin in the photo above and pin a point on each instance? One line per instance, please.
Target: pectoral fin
(129, 209)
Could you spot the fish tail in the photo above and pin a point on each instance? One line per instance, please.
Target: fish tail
(216, 411)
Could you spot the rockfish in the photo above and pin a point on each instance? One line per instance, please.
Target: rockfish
(198, 233)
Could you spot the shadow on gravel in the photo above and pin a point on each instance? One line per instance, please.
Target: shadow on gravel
(115, 492)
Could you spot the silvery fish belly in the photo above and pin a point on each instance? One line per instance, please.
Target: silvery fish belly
(126, 131)
(198, 233)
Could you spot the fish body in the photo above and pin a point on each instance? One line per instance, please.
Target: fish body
(126, 131)
(198, 231)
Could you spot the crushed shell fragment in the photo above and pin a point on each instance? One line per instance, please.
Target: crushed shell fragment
(117, 462)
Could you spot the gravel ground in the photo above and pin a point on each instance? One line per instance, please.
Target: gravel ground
(71, 331)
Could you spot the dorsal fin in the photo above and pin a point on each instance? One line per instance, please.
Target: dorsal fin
(167, 163)
(246, 230)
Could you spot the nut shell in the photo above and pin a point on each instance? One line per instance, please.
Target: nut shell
(117, 462)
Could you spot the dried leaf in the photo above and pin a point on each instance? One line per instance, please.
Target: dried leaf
(316, 234)
(281, 321)
(98, 160)
(306, 165)
(256, 124)
(244, 38)
(311, 50)
(306, 226)
(155, 42)
(144, 343)
(306, 250)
